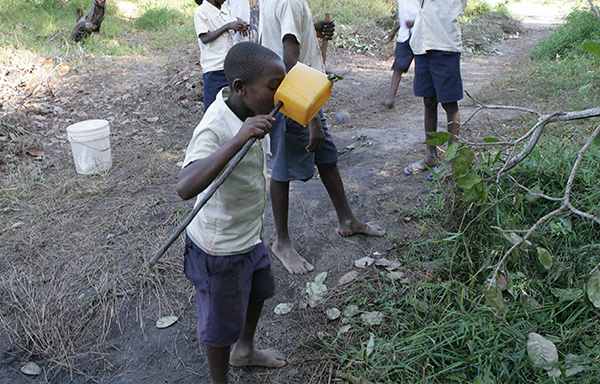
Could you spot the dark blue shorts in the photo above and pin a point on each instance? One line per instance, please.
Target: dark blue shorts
(403, 56)
(437, 74)
(214, 81)
(289, 160)
(224, 287)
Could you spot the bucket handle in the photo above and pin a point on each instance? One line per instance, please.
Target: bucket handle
(90, 147)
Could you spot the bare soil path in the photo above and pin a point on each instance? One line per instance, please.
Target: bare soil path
(152, 104)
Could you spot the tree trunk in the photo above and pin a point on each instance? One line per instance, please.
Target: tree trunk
(89, 23)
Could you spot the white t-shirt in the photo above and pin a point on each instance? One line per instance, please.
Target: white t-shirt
(232, 220)
(240, 9)
(436, 26)
(290, 17)
(407, 11)
(208, 18)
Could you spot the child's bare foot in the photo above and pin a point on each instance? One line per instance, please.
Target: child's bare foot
(369, 229)
(269, 358)
(291, 260)
(389, 104)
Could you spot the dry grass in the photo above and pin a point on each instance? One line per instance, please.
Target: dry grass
(74, 248)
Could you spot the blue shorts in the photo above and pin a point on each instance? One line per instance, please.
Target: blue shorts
(437, 74)
(403, 56)
(289, 160)
(214, 81)
(224, 287)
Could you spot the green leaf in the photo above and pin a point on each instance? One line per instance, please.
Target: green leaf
(439, 138)
(494, 298)
(451, 151)
(491, 140)
(518, 201)
(593, 288)
(468, 181)
(534, 189)
(585, 89)
(333, 313)
(569, 294)
(597, 141)
(478, 193)
(592, 47)
(283, 308)
(333, 76)
(544, 257)
(542, 351)
(462, 161)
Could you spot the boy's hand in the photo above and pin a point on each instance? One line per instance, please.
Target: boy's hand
(325, 29)
(410, 24)
(256, 126)
(316, 135)
(239, 26)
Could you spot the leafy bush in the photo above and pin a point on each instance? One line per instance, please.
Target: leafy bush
(158, 19)
(567, 40)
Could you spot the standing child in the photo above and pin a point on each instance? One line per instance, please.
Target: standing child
(436, 42)
(215, 26)
(225, 257)
(403, 55)
(288, 29)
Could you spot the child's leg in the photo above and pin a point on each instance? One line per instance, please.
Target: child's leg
(282, 246)
(218, 362)
(453, 118)
(396, 77)
(348, 224)
(430, 122)
(244, 353)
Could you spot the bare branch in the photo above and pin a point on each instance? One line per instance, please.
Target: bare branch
(594, 8)
(529, 191)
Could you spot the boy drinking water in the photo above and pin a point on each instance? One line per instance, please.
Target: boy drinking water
(225, 257)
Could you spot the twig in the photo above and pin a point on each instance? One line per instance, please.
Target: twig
(594, 8)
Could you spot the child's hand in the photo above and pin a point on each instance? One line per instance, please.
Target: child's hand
(239, 26)
(340, 73)
(325, 29)
(316, 135)
(256, 126)
(410, 24)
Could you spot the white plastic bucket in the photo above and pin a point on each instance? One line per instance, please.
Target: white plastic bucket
(90, 143)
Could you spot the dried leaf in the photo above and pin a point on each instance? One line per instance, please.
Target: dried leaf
(283, 308)
(351, 310)
(494, 298)
(152, 119)
(35, 152)
(593, 288)
(314, 300)
(541, 351)
(364, 262)
(166, 321)
(394, 275)
(317, 287)
(63, 69)
(544, 257)
(348, 277)
(333, 313)
(370, 345)
(390, 265)
(31, 369)
(345, 328)
(372, 318)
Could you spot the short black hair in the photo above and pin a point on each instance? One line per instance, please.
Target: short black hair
(246, 61)
(199, 2)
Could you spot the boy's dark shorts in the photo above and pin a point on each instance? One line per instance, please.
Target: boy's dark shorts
(224, 287)
(403, 56)
(214, 81)
(289, 159)
(437, 74)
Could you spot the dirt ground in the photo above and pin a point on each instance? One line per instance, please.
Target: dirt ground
(106, 227)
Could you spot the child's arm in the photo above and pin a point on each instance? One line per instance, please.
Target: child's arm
(393, 32)
(198, 175)
(238, 26)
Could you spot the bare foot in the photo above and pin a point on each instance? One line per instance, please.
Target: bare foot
(291, 260)
(269, 358)
(369, 229)
(389, 104)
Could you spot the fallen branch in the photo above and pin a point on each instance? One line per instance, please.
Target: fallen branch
(594, 8)
(566, 204)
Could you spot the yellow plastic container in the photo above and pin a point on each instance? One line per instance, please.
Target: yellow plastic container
(303, 91)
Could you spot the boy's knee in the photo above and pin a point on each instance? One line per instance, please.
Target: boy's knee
(450, 108)
(430, 102)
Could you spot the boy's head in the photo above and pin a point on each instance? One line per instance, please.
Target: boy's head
(254, 73)
(199, 2)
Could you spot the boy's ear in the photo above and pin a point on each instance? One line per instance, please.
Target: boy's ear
(239, 86)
